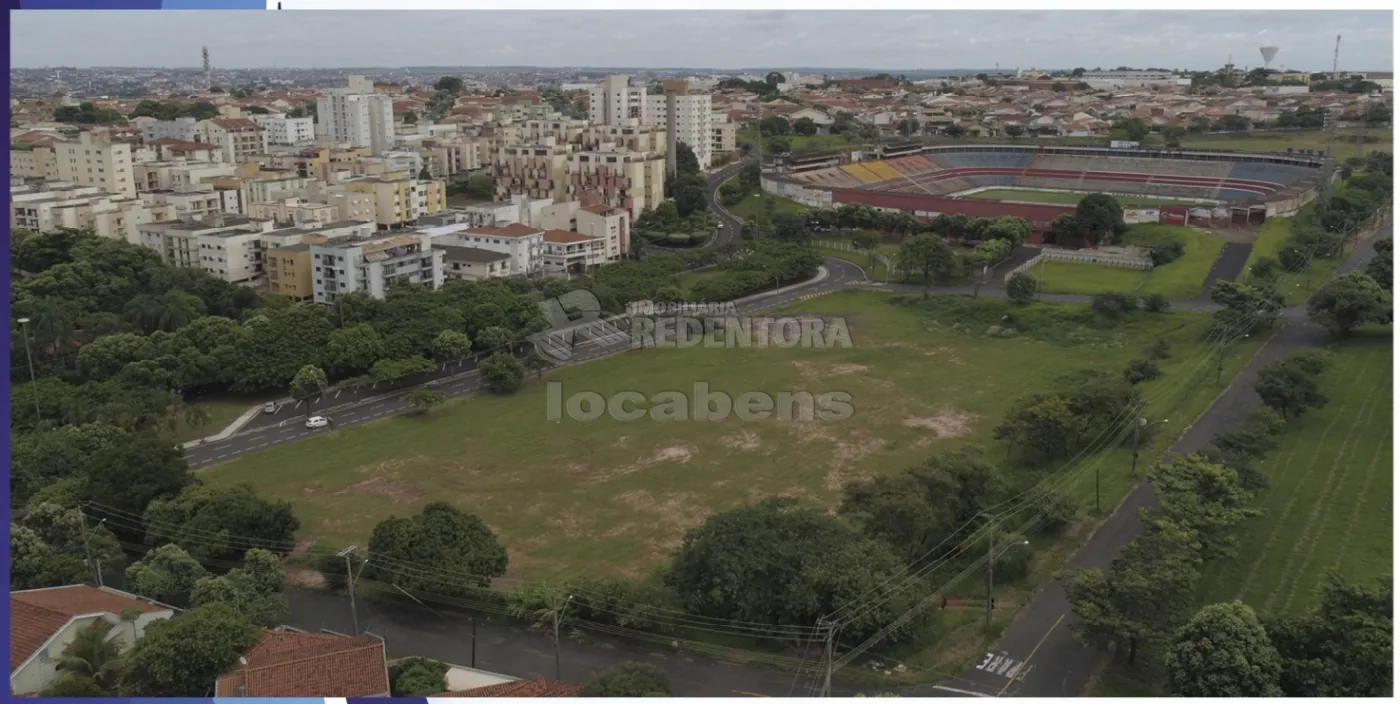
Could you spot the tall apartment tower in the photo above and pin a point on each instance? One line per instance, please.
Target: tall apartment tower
(363, 119)
(687, 117)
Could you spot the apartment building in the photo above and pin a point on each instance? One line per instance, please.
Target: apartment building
(360, 120)
(523, 244)
(226, 246)
(288, 254)
(349, 205)
(562, 130)
(186, 202)
(97, 160)
(533, 170)
(240, 139)
(723, 137)
(287, 131)
(294, 210)
(399, 199)
(183, 129)
(634, 181)
(614, 101)
(374, 265)
(171, 149)
(693, 121)
(166, 175)
(610, 223)
(58, 205)
(631, 135)
(571, 254)
(33, 161)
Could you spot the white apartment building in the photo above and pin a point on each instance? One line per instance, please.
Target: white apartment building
(226, 246)
(287, 131)
(165, 175)
(295, 210)
(635, 181)
(58, 205)
(188, 203)
(185, 129)
(373, 265)
(610, 223)
(693, 122)
(461, 263)
(522, 243)
(570, 253)
(365, 121)
(614, 102)
(96, 160)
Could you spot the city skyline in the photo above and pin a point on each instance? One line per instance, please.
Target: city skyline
(720, 40)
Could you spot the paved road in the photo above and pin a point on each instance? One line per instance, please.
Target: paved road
(733, 226)
(1038, 647)
(515, 650)
(840, 273)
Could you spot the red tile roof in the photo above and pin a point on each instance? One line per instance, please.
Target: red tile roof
(290, 664)
(37, 614)
(538, 687)
(566, 237)
(514, 229)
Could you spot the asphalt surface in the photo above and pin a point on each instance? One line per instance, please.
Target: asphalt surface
(1038, 654)
(519, 651)
(733, 226)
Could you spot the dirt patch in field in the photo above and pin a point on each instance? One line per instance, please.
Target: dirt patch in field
(305, 577)
(818, 369)
(301, 548)
(948, 423)
(675, 513)
(672, 454)
(745, 440)
(396, 492)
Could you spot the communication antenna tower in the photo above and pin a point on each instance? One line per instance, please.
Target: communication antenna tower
(208, 71)
(1335, 52)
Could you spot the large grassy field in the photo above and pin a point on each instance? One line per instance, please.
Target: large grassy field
(611, 497)
(1069, 198)
(1179, 279)
(1296, 288)
(1329, 503)
(753, 205)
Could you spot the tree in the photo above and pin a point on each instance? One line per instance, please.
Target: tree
(64, 531)
(277, 344)
(1043, 425)
(1342, 649)
(34, 564)
(309, 383)
(1348, 301)
(410, 117)
(1098, 216)
(791, 227)
(1223, 651)
(418, 677)
(1021, 288)
(255, 589)
(867, 241)
(1288, 388)
(687, 164)
(182, 657)
(1144, 596)
(353, 350)
(166, 574)
(1133, 128)
(424, 400)
(451, 346)
(1205, 497)
(777, 563)
(201, 520)
(451, 84)
(927, 255)
(805, 126)
(1014, 131)
(461, 548)
(689, 193)
(1381, 266)
(502, 373)
(130, 475)
(1009, 228)
(628, 679)
(773, 126)
(391, 369)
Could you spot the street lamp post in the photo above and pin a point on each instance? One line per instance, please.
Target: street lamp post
(990, 562)
(1137, 437)
(24, 327)
(1220, 359)
(87, 549)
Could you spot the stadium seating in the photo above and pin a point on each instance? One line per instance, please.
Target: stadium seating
(1274, 173)
(883, 170)
(860, 172)
(958, 160)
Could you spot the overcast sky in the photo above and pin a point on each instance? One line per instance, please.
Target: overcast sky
(777, 39)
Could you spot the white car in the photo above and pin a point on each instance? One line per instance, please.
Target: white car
(270, 407)
(317, 422)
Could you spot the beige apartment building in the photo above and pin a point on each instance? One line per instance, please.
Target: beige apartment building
(533, 170)
(631, 135)
(610, 223)
(95, 159)
(399, 199)
(239, 138)
(227, 246)
(288, 254)
(33, 161)
(57, 205)
(634, 181)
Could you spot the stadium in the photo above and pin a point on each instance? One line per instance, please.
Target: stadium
(1039, 183)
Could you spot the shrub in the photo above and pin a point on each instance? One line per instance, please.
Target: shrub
(1157, 303)
(1058, 511)
(417, 677)
(1113, 304)
(1160, 349)
(1140, 370)
(628, 679)
(1021, 288)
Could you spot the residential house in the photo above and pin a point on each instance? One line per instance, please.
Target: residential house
(44, 622)
(291, 663)
(571, 253)
(524, 244)
(463, 263)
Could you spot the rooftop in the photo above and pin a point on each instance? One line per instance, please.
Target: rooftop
(566, 237)
(36, 615)
(538, 687)
(295, 664)
(511, 230)
(473, 255)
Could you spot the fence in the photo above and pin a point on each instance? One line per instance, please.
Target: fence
(1128, 258)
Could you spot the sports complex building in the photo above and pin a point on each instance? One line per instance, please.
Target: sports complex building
(1205, 188)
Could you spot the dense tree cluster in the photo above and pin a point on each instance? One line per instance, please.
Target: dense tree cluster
(171, 109)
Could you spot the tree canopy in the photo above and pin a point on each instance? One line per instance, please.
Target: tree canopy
(457, 544)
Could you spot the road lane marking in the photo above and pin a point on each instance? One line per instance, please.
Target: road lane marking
(221, 456)
(955, 690)
(1033, 651)
(749, 694)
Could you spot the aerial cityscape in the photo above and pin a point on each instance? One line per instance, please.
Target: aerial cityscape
(721, 354)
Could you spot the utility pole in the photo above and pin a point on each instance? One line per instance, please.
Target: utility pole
(1137, 438)
(830, 628)
(24, 326)
(350, 578)
(991, 560)
(87, 548)
(558, 616)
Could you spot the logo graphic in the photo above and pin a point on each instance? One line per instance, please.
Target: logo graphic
(575, 320)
